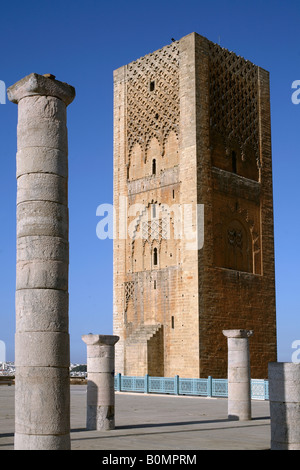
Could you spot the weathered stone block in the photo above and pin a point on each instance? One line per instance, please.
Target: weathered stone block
(40, 247)
(40, 390)
(42, 349)
(42, 218)
(42, 310)
(42, 160)
(42, 274)
(42, 442)
(46, 133)
(37, 108)
(42, 187)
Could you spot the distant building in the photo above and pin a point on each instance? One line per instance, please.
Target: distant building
(192, 127)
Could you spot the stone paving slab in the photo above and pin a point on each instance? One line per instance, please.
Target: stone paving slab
(156, 422)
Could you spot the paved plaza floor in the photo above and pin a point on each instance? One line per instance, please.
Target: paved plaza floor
(156, 422)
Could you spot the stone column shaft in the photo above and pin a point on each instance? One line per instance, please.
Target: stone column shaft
(42, 356)
(284, 395)
(100, 386)
(239, 380)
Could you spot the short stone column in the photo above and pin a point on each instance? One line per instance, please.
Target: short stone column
(239, 380)
(284, 396)
(100, 381)
(42, 352)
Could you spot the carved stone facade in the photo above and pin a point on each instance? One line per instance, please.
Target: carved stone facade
(192, 127)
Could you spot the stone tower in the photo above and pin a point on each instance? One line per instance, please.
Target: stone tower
(192, 156)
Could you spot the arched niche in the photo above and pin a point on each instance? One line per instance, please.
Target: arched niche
(153, 153)
(171, 155)
(237, 247)
(136, 167)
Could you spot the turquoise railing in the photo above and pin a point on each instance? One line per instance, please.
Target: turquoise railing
(181, 386)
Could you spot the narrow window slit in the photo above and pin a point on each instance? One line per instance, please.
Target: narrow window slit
(155, 257)
(153, 166)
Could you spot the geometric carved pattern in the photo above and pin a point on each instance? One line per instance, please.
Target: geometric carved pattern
(153, 98)
(234, 98)
(235, 238)
(155, 229)
(128, 292)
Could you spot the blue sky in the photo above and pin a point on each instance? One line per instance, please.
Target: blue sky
(82, 43)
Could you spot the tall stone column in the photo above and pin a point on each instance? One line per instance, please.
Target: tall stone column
(239, 379)
(284, 395)
(100, 386)
(42, 352)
